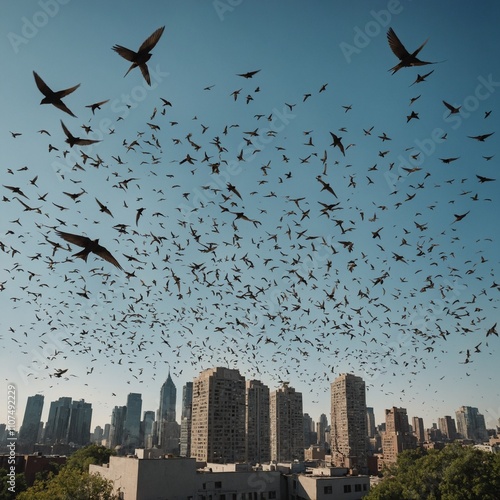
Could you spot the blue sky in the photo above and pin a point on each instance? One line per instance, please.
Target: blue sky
(282, 298)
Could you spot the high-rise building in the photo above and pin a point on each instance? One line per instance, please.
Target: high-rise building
(308, 430)
(117, 423)
(257, 422)
(132, 425)
(28, 433)
(418, 429)
(348, 434)
(397, 436)
(56, 430)
(186, 412)
(105, 435)
(218, 416)
(97, 435)
(168, 434)
(80, 419)
(321, 428)
(287, 424)
(447, 427)
(370, 422)
(147, 429)
(471, 424)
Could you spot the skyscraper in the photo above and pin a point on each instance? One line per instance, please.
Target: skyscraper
(168, 434)
(308, 430)
(116, 429)
(348, 434)
(447, 427)
(397, 436)
(147, 429)
(471, 424)
(321, 427)
(56, 430)
(370, 422)
(218, 416)
(287, 424)
(418, 429)
(79, 423)
(132, 425)
(28, 433)
(186, 413)
(257, 422)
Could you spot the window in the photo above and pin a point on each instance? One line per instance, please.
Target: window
(327, 490)
(365, 487)
(218, 484)
(272, 494)
(222, 497)
(347, 488)
(357, 487)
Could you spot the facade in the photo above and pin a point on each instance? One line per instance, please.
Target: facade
(79, 423)
(397, 436)
(370, 422)
(56, 429)
(187, 401)
(117, 423)
(447, 427)
(218, 416)
(321, 428)
(348, 433)
(29, 431)
(257, 421)
(132, 425)
(147, 429)
(287, 425)
(168, 433)
(471, 424)
(418, 429)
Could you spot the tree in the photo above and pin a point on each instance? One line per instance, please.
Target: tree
(454, 473)
(20, 485)
(92, 454)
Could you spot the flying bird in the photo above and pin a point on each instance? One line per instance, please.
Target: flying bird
(453, 109)
(249, 74)
(142, 56)
(72, 140)
(480, 138)
(52, 97)
(96, 105)
(89, 246)
(405, 58)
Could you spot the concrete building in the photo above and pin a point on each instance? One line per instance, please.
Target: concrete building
(348, 433)
(309, 431)
(29, 431)
(471, 424)
(287, 424)
(80, 418)
(418, 429)
(186, 414)
(397, 436)
(447, 427)
(132, 425)
(218, 416)
(321, 429)
(168, 434)
(118, 416)
(147, 429)
(371, 429)
(182, 478)
(56, 429)
(257, 422)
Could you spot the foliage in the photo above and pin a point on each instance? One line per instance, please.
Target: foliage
(92, 454)
(5, 494)
(454, 473)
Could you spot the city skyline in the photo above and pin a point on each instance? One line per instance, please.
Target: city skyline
(274, 199)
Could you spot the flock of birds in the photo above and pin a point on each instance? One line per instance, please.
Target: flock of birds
(231, 273)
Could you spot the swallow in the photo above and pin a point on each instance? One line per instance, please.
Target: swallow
(54, 97)
(249, 74)
(142, 56)
(103, 208)
(72, 140)
(60, 372)
(96, 105)
(484, 179)
(480, 138)
(421, 78)
(453, 109)
(405, 58)
(337, 142)
(89, 246)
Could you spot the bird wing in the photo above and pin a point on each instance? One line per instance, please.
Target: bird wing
(81, 241)
(145, 73)
(396, 46)
(151, 41)
(66, 131)
(85, 142)
(127, 54)
(42, 86)
(64, 93)
(106, 255)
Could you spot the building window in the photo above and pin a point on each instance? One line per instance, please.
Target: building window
(365, 487)
(218, 484)
(222, 497)
(347, 488)
(327, 490)
(271, 495)
(357, 487)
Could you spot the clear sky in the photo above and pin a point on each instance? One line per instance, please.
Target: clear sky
(392, 276)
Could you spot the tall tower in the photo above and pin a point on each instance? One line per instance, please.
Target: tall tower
(447, 427)
(79, 423)
(257, 422)
(397, 436)
(418, 429)
(348, 432)
(287, 425)
(132, 425)
(116, 429)
(166, 413)
(321, 427)
(370, 422)
(471, 424)
(187, 401)
(147, 428)
(56, 430)
(218, 416)
(28, 433)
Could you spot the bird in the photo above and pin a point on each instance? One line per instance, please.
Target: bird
(52, 97)
(453, 109)
(484, 179)
(76, 141)
(480, 138)
(89, 246)
(405, 58)
(337, 141)
(142, 56)
(421, 78)
(60, 372)
(249, 74)
(96, 105)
